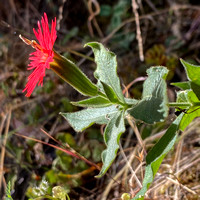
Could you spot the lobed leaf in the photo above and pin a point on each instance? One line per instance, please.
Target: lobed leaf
(153, 106)
(106, 71)
(112, 134)
(83, 119)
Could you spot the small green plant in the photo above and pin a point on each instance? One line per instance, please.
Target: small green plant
(107, 105)
(43, 191)
(8, 192)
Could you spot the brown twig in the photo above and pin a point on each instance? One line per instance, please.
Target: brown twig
(138, 31)
(3, 116)
(151, 5)
(60, 16)
(137, 133)
(176, 166)
(3, 147)
(129, 166)
(126, 88)
(69, 152)
(148, 16)
(92, 18)
(116, 177)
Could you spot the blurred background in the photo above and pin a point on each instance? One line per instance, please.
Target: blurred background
(169, 30)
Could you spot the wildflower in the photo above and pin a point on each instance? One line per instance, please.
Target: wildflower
(46, 58)
(40, 59)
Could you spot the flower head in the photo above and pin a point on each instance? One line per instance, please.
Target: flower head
(40, 59)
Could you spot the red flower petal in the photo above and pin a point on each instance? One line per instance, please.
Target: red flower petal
(40, 59)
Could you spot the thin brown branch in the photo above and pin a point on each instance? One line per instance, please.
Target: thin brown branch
(129, 165)
(149, 16)
(3, 147)
(92, 18)
(137, 133)
(60, 16)
(69, 152)
(138, 31)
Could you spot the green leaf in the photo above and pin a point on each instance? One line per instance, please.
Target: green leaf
(105, 10)
(126, 196)
(188, 117)
(131, 101)
(8, 192)
(110, 93)
(156, 155)
(193, 71)
(94, 102)
(153, 106)
(193, 74)
(187, 96)
(182, 85)
(106, 71)
(112, 134)
(83, 119)
(193, 111)
(70, 73)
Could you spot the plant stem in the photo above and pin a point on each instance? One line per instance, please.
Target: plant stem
(131, 122)
(175, 104)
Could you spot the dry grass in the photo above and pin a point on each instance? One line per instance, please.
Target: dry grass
(178, 177)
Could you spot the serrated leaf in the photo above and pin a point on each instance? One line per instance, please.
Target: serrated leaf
(83, 119)
(156, 155)
(182, 85)
(106, 71)
(153, 106)
(193, 74)
(112, 134)
(94, 102)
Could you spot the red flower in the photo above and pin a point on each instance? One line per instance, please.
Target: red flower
(40, 59)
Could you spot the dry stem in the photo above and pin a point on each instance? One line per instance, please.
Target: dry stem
(138, 31)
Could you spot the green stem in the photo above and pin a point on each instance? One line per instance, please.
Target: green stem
(196, 103)
(175, 104)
